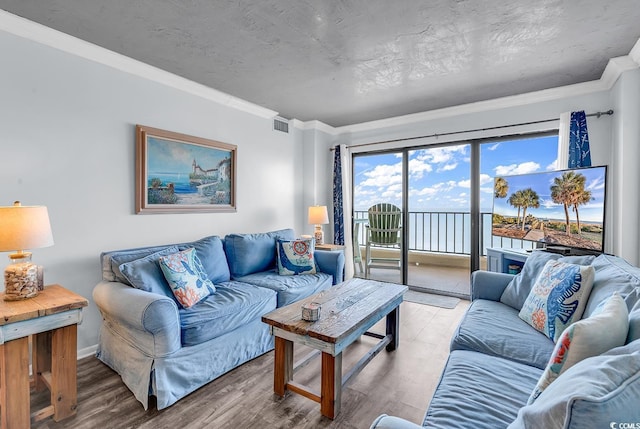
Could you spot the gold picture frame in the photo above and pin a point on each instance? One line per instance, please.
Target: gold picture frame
(179, 173)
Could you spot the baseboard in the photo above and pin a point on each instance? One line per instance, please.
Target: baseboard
(87, 351)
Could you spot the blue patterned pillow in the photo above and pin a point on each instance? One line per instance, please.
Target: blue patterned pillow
(187, 277)
(558, 297)
(296, 257)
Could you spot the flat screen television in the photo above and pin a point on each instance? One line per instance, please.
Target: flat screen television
(562, 209)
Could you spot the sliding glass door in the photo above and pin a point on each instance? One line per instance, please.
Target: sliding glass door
(445, 196)
(439, 224)
(378, 188)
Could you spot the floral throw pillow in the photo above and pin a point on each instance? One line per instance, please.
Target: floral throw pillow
(186, 276)
(588, 337)
(558, 297)
(296, 257)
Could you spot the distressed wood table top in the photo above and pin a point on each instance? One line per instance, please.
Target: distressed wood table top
(345, 308)
(52, 300)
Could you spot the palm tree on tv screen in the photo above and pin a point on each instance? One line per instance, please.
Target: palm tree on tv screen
(516, 201)
(500, 187)
(529, 198)
(569, 191)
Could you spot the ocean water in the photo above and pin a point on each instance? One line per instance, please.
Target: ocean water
(179, 180)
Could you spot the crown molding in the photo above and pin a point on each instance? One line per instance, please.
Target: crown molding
(44, 35)
(314, 125)
(635, 53)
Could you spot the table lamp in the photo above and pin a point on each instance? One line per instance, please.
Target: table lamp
(23, 227)
(318, 215)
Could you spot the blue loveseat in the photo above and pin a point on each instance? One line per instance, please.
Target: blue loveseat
(496, 360)
(164, 350)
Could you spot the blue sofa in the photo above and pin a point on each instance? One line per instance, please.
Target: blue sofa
(496, 360)
(164, 350)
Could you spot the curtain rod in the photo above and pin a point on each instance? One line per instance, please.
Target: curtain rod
(596, 114)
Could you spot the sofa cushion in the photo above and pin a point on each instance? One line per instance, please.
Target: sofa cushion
(588, 337)
(558, 297)
(111, 261)
(494, 328)
(295, 257)
(594, 393)
(186, 277)
(145, 273)
(290, 288)
(252, 253)
(517, 291)
(613, 274)
(479, 391)
(211, 254)
(233, 305)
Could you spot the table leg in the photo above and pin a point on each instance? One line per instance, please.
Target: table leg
(331, 385)
(41, 358)
(393, 328)
(64, 388)
(283, 370)
(14, 384)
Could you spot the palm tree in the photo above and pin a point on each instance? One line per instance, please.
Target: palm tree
(500, 187)
(530, 198)
(580, 196)
(563, 191)
(516, 201)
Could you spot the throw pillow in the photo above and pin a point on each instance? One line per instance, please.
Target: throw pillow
(186, 276)
(558, 297)
(296, 257)
(516, 292)
(145, 273)
(585, 338)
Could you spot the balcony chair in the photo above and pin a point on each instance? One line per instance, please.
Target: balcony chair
(383, 231)
(357, 253)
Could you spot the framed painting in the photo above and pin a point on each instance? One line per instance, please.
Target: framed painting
(178, 173)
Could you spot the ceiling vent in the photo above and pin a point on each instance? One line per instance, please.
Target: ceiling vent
(281, 124)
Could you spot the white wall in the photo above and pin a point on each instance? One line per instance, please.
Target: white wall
(67, 141)
(625, 149)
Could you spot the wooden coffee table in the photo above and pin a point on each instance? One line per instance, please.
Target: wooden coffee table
(348, 311)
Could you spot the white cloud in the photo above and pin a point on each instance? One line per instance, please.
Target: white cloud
(523, 168)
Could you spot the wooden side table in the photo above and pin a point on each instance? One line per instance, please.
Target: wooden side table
(329, 247)
(51, 319)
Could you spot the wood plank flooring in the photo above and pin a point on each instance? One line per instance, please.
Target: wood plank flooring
(399, 383)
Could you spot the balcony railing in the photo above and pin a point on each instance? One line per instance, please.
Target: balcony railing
(450, 232)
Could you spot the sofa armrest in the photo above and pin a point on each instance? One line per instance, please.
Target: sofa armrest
(488, 284)
(148, 321)
(389, 422)
(331, 262)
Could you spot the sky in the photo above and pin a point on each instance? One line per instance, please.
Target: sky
(439, 178)
(166, 156)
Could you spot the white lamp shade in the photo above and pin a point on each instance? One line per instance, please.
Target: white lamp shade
(318, 215)
(24, 227)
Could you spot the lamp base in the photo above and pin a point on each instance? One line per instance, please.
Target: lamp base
(318, 234)
(20, 278)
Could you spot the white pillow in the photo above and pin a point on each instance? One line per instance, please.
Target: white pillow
(604, 330)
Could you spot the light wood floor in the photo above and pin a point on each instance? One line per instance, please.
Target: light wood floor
(429, 278)
(399, 383)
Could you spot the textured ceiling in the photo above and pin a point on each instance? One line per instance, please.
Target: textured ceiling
(346, 62)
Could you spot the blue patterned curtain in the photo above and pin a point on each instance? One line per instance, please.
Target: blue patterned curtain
(338, 218)
(579, 152)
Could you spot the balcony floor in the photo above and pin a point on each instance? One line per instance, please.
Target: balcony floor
(437, 279)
